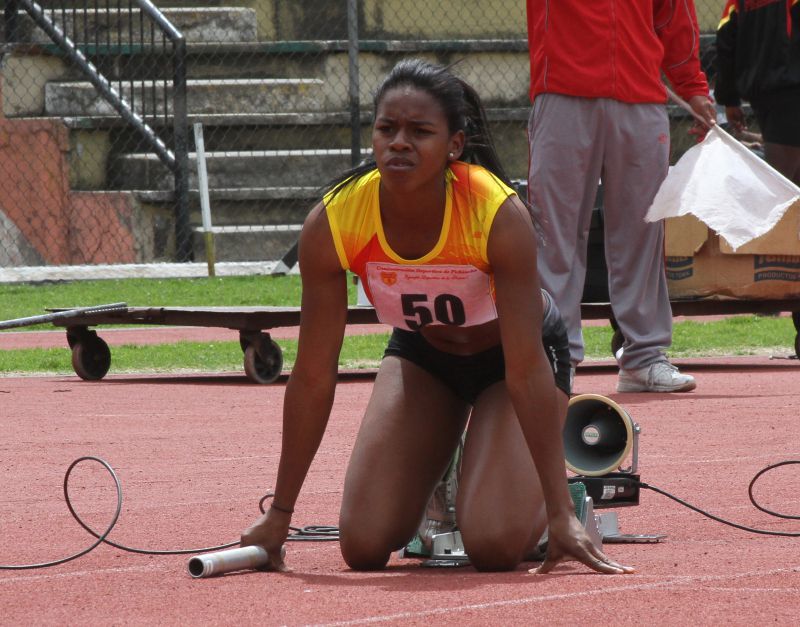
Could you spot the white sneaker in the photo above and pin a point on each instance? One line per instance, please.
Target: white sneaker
(660, 376)
(440, 514)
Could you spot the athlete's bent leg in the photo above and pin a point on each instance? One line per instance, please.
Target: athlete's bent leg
(500, 506)
(410, 430)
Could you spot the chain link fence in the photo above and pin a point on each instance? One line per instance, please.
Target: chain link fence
(280, 93)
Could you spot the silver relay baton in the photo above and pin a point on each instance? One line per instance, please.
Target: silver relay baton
(242, 558)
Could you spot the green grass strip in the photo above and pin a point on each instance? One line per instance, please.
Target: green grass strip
(737, 335)
(741, 335)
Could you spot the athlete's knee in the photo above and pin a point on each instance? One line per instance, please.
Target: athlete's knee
(493, 556)
(492, 549)
(499, 542)
(364, 551)
(365, 545)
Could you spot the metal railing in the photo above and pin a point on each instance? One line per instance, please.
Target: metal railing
(79, 29)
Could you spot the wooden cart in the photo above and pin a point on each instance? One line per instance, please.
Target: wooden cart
(263, 358)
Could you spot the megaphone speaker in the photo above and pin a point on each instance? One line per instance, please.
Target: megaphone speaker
(598, 436)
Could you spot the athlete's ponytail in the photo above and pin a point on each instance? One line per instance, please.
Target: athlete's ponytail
(479, 146)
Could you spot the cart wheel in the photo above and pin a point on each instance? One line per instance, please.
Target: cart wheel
(261, 369)
(617, 340)
(91, 358)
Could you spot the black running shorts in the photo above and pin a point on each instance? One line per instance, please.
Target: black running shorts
(469, 375)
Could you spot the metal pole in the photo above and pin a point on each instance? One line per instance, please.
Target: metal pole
(61, 315)
(183, 243)
(163, 23)
(97, 80)
(10, 16)
(353, 86)
(205, 205)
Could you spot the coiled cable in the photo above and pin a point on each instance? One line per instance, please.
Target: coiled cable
(319, 533)
(313, 532)
(768, 532)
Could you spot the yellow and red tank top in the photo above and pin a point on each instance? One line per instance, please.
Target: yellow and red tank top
(450, 285)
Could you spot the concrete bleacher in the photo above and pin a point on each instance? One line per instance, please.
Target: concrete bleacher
(268, 81)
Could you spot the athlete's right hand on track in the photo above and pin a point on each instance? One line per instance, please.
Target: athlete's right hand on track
(568, 540)
(269, 531)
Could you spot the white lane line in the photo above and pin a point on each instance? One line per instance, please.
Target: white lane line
(752, 590)
(673, 582)
(80, 573)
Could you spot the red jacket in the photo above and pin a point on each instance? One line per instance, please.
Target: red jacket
(615, 49)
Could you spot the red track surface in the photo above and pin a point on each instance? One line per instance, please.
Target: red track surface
(195, 454)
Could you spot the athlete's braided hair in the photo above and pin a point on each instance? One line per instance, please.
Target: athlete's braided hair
(462, 107)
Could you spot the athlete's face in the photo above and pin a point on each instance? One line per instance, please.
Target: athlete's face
(411, 140)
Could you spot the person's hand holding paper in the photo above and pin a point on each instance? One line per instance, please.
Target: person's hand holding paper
(725, 185)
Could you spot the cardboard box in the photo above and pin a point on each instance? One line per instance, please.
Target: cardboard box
(700, 264)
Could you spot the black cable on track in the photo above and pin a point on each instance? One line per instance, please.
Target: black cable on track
(310, 533)
(767, 532)
(319, 533)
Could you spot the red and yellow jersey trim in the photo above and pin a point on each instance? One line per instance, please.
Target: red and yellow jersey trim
(730, 8)
(473, 197)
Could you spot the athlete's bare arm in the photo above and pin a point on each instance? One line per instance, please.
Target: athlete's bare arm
(310, 390)
(539, 404)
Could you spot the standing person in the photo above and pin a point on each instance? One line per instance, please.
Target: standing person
(446, 253)
(758, 60)
(599, 113)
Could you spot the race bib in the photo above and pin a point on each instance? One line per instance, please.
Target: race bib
(411, 297)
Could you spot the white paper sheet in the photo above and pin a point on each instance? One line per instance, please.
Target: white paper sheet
(733, 191)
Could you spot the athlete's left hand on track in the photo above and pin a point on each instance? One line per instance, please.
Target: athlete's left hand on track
(570, 542)
(269, 531)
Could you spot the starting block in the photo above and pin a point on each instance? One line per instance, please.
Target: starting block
(447, 549)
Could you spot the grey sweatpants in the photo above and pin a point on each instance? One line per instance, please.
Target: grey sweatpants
(575, 142)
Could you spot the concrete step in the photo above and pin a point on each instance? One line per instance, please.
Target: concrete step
(246, 242)
(253, 169)
(230, 208)
(78, 4)
(219, 96)
(115, 29)
(444, 19)
(379, 19)
(506, 62)
(236, 194)
(277, 131)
